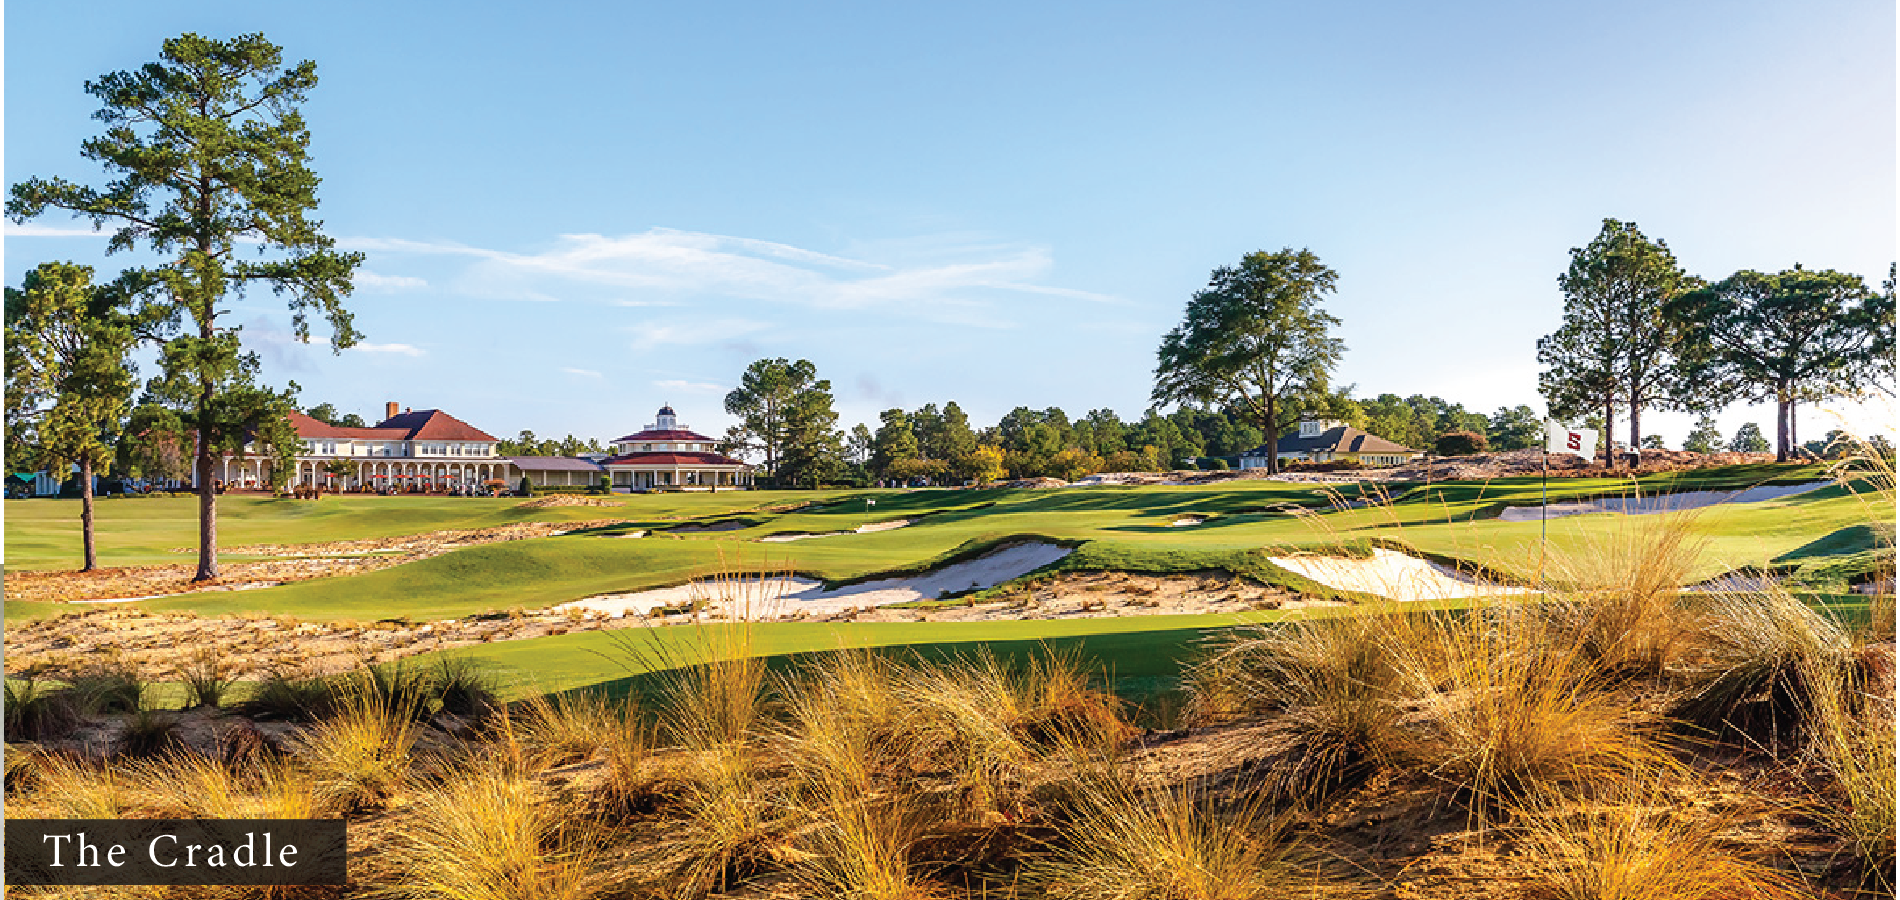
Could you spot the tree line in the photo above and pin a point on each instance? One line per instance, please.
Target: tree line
(1639, 333)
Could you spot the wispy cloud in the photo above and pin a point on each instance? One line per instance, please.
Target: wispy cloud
(378, 282)
(403, 349)
(693, 387)
(34, 230)
(582, 373)
(693, 332)
(958, 283)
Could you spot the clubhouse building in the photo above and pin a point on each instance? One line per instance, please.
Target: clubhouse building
(1319, 440)
(666, 455)
(431, 451)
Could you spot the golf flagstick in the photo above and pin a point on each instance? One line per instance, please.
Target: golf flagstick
(1543, 521)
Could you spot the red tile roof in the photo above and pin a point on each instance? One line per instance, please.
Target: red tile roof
(670, 458)
(661, 435)
(420, 425)
(308, 427)
(435, 425)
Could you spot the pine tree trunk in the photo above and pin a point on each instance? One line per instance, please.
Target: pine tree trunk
(85, 514)
(1781, 428)
(1794, 432)
(207, 517)
(1272, 429)
(1609, 426)
(1636, 427)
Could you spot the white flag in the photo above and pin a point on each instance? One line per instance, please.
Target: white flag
(1562, 439)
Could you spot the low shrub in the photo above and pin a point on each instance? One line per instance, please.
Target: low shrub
(35, 712)
(148, 732)
(110, 686)
(207, 677)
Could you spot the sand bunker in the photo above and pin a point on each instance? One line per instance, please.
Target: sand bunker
(772, 598)
(1660, 503)
(1186, 521)
(1393, 575)
(861, 529)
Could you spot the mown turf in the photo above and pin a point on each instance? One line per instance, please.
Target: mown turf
(1114, 528)
(134, 531)
(1141, 654)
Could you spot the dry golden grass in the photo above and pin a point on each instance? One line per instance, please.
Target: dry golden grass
(1620, 591)
(1174, 843)
(1851, 736)
(1636, 840)
(998, 721)
(359, 757)
(69, 788)
(853, 750)
(483, 834)
(1333, 681)
(1766, 655)
(554, 730)
(194, 786)
(1511, 705)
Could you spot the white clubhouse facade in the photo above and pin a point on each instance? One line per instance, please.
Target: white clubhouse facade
(431, 451)
(667, 455)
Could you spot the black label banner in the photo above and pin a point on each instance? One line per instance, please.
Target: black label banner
(176, 851)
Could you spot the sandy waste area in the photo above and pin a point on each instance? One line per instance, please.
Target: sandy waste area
(259, 644)
(1659, 503)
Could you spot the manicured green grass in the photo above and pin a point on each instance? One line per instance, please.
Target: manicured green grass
(1115, 528)
(137, 531)
(1141, 651)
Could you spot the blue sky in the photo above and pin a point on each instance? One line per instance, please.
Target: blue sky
(576, 212)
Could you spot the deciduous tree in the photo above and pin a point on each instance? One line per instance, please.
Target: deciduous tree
(1256, 335)
(207, 154)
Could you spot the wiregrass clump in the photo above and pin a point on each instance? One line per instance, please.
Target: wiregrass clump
(35, 712)
(1333, 681)
(1770, 659)
(1510, 705)
(998, 720)
(359, 757)
(1179, 843)
(854, 752)
(1635, 840)
(485, 834)
(1620, 592)
(207, 676)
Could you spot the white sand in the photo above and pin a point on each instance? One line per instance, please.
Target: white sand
(1186, 521)
(1661, 503)
(770, 598)
(861, 529)
(1392, 575)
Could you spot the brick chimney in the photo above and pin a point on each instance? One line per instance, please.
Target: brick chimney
(389, 410)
